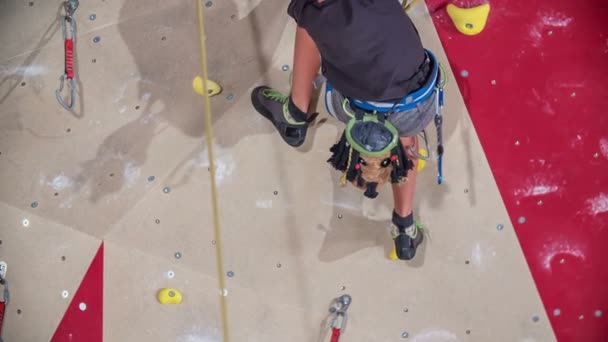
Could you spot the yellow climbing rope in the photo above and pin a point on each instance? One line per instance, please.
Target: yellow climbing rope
(214, 200)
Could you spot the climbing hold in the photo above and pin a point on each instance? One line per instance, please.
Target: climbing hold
(393, 254)
(169, 296)
(421, 162)
(212, 87)
(469, 21)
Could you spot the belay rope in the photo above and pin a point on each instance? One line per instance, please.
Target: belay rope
(68, 25)
(210, 154)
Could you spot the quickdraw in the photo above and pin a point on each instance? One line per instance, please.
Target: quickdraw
(338, 323)
(5, 299)
(69, 36)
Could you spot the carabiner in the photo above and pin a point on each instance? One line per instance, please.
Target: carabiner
(72, 85)
(426, 146)
(339, 308)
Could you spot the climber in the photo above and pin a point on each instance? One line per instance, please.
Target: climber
(381, 82)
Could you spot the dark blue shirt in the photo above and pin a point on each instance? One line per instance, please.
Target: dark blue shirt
(370, 49)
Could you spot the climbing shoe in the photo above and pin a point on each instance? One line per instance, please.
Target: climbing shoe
(291, 122)
(407, 236)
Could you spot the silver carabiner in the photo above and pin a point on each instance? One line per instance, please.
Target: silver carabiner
(72, 85)
(426, 146)
(341, 305)
(70, 7)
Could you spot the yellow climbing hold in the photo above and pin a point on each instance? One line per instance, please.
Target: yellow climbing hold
(393, 254)
(469, 21)
(169, 296)
(212, 87)
(421, 162)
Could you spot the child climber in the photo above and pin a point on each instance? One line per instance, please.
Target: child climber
(380, 81)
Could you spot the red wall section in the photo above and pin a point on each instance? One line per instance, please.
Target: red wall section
(85, 325)
(537, 92)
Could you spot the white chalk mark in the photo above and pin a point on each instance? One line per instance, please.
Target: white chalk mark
(561, 247)
(556, 20)
(539, 162)
(200, 334)
(61, 182)
(547, 20)
(131, 173)
(27, 71)
(342, 205)
(477, 254)
(536, 190)
(604, 147)
(435, 335)
(146, 97)
(598, 204)
(224, 163)
(264, 204)
(67, 203)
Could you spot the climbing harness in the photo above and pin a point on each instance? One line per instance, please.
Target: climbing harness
(338, 323)
(5, 296)
(368, 134)
(212, 171)
(68, 25)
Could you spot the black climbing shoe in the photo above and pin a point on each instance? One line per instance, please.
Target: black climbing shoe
(290, 121)
(407, 236)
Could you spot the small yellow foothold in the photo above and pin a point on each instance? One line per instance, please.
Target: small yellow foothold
(393, 254)
(169, 296)
(212, 87)
(469, 21)
(421, 162)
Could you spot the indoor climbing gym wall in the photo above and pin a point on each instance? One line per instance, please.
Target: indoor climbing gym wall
(142, 197)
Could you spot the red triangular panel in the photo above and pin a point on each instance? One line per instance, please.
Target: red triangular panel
(85, 325)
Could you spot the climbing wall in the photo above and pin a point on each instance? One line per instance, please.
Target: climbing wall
(534, 82)
(104, 206)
